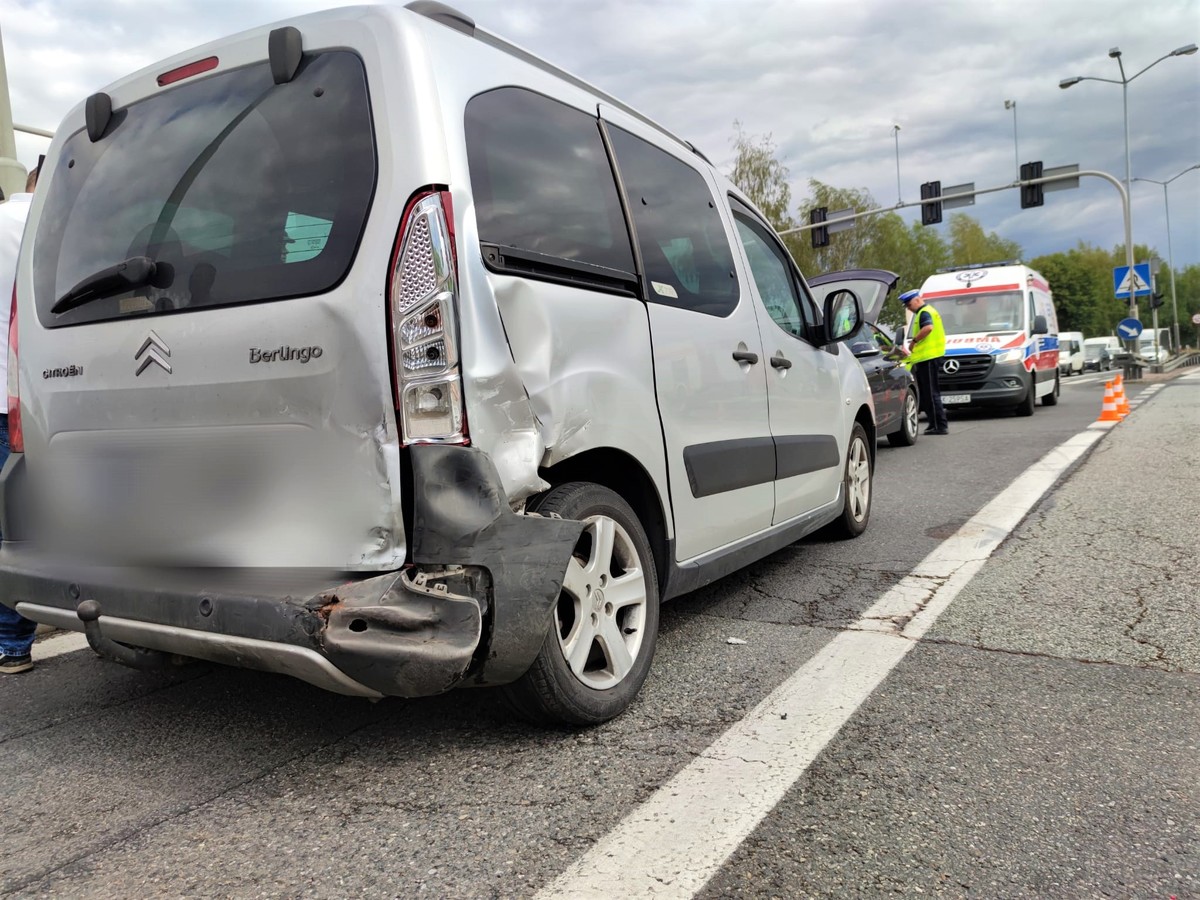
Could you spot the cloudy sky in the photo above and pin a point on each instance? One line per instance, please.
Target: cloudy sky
(827, 79)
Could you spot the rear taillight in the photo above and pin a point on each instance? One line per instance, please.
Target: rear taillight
(423, 318)
(16, 437)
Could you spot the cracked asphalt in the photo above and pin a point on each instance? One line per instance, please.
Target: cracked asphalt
(1041, 740)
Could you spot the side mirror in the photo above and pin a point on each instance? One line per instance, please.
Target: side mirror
(863, 349)
(1040, 326)
(843, 315)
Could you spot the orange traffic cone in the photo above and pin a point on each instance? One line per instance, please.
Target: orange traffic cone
(1119, 397)
(1108, 412)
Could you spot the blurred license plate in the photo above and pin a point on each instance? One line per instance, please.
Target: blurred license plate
(956, 398)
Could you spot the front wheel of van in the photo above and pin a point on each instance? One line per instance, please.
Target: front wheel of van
(604, 627)
(856, 486)
(1051, 399)
(1025, 407)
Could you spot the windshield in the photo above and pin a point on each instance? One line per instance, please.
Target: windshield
(236, 188)
(973, 313)
(1093, 351)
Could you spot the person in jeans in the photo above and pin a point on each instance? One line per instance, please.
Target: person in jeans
(927, 346)
(16, 631)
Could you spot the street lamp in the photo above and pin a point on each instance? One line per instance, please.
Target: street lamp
(899, 194)
(1115, 53)
(1170, 258)
(1012, 104)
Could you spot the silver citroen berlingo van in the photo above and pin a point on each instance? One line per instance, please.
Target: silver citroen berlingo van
(372, 349)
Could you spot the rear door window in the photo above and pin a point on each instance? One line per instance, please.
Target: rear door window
(684, 247)
(545, 195)
(239, 190)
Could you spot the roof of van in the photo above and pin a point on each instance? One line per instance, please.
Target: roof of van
(1006, 276)
(460, 21)
(429, 9)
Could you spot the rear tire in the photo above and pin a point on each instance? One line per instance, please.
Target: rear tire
(1051, 399)
(1026, 406)
(857, 482)
(604, 628)
(906, 436)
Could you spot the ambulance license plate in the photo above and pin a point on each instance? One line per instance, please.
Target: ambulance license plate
(956, 398)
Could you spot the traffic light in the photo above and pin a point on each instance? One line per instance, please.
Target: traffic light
(1157, 300)
(931, 213)
(1031, 194)
(820, 235)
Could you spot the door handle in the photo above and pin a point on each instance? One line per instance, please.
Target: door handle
(745, 356)
(781, 362)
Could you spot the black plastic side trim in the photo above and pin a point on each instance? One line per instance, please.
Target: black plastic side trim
(729, 465)
(799, 454)
(446, 15)
(285, 47)
(98, 111)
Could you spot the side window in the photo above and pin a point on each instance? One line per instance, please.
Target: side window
(1032, 312)
(683, 242)
(772, 275)
(542, 180)
(865, 339)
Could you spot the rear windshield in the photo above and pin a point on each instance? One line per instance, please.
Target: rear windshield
(238, 189)
(970, 313)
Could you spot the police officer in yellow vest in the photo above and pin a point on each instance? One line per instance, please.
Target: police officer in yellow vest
(927, 346)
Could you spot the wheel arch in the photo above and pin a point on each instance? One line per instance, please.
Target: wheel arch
(622, 474)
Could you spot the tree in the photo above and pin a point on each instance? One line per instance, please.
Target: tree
(1187, 296)
(762, 177)
(846, 250)
(913, 252)
(1079, 287)
(971, 245)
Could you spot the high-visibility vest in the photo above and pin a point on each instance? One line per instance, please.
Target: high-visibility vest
(933, 344)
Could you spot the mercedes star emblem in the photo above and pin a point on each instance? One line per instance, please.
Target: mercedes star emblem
(950, 366)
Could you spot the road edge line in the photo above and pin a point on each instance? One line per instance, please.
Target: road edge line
(672, 843)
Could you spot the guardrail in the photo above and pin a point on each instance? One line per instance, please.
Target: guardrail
(1187, 358)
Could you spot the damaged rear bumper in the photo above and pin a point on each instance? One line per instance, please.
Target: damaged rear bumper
(473, 607)
(391, 635)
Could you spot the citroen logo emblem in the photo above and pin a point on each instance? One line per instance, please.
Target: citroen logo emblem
(950, 366)
(155, 350)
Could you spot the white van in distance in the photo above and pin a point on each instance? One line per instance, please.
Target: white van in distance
(372, 349)
(1071, 357)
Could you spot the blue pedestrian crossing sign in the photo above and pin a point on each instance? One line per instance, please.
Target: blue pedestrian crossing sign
(1129, 328)
(1137, 281)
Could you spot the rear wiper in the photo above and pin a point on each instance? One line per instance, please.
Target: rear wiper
(135, 272)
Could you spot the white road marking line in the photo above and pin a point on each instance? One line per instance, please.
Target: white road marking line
(57, 645)
(674, 842)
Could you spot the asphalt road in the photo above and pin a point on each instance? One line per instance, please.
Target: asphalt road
(1040, 740)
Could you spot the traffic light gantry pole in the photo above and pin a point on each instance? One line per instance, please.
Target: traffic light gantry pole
(1024, 184)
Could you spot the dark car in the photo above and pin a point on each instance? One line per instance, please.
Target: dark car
(1096, 358)
(892, 385)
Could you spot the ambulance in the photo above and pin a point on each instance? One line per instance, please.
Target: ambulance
(1001, 336)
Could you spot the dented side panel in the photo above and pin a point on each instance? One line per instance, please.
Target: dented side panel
(585, 360)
